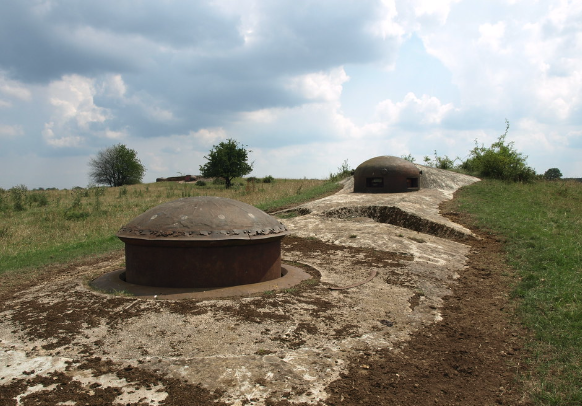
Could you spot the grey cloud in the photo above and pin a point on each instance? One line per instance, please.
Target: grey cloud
(120, 37)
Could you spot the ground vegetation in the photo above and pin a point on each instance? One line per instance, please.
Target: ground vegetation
(540, 224)
(51, 226)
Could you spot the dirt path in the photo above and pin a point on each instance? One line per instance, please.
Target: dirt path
(432, 327)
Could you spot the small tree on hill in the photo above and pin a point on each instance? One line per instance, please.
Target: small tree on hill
(553, 174)
(116, 166)
(227, 160)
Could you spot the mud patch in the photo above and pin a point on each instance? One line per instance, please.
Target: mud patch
(103, 382)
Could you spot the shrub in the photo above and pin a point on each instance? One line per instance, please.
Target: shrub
(343, 172)
(500, 161)
(408, 158)
(440, 162)
(200, 183)
(39, 198)
(18, 194)
(219, 181)
(268, 179)
(552, 174)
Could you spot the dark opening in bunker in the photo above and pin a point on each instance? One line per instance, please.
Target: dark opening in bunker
(374, 182)
(412, 182)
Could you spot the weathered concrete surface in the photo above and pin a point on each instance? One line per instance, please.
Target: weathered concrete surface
(279, 344)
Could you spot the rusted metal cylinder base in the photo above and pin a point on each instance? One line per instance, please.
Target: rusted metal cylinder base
(202, 265)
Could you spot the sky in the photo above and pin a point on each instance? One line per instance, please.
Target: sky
(304, 84)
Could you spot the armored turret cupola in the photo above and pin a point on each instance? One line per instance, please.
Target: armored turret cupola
(200, 242)
(386, 174)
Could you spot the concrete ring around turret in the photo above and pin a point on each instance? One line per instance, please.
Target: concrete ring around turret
(113, 283)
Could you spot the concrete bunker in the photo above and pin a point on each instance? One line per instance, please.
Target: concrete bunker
(386, 174)
(202, 242)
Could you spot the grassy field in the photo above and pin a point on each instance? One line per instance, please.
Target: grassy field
(542, 225)
(38, 228)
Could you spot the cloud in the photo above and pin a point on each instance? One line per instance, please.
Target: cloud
(10, 131)
(320, 86)
(532, 55)
(301, 85)
(414, 112)
(72, 97)
(208, 136)
(13, 89)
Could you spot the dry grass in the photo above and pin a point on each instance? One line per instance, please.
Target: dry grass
(57, 224)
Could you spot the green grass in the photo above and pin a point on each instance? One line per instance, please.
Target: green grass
(542, 225)
(39, 228)
(33, 258)
(301, 195)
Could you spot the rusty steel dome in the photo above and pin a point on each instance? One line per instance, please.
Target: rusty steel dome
(202, 242)
(386, 174)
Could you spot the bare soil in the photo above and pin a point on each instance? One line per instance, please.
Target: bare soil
(419, 333)
(472, 357)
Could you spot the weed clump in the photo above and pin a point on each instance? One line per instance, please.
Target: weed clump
(343, 172)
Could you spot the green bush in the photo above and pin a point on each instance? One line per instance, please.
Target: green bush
(343, 172)
(440, 162)
(3, 203)
(408, 158)
(37, 197)
(268, 179)
(553, 174)
(200, 183)
(500, 161)
(18, 194)
(219, 181)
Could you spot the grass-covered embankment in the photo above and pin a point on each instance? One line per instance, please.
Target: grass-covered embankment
(38, 228)
(542, 225)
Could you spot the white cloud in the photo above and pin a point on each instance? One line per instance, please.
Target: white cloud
(492, 36)
(72, 97)
(115, 135)
(321, 86)
(113, 86)
(13, 89)
(208, 136)
(10, 130)
(386, 25)
(428, 110)
(434, 9)
(59, 141)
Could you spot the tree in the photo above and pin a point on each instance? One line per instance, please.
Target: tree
(553, 174)
(116, 166)
(226, 160)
